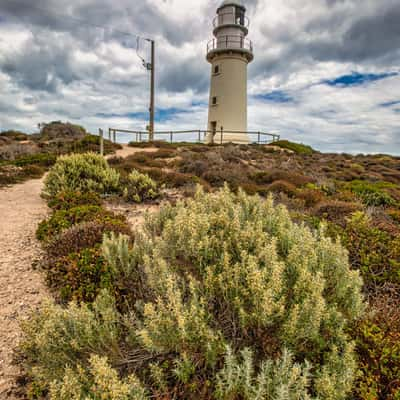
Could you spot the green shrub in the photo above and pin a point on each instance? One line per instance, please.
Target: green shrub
(243, 259)
(92, 143)
(81, 172)
(56, 337)
(79, 276)
(298, 148)
(98, 378)
(14, 135)
(373, 194)
(218, 271)
(63, 219)
(374, 252)
(84, 235)
(71, 199)
(238, 378)
(378, 346)
(43, 159)
(139, 187)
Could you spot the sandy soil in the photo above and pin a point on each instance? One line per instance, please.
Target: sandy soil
(21, 288)
(127, 151)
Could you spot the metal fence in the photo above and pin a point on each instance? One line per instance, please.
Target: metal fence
(193, 136)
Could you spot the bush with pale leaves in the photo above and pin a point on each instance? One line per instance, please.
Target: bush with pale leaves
(229, 299)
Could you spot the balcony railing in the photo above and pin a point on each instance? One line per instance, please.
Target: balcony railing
(230, 18)
(230, 42)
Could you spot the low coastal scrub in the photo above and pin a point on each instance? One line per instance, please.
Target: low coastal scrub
(25, 156)
(225, 297)
(90, 173)
(197, 314)
(81, 172)
(298, 148)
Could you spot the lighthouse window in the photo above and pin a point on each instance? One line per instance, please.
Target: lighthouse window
(214, 101)
(216, 69)
(239, 16)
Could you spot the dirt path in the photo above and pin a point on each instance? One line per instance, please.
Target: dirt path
(21, 287)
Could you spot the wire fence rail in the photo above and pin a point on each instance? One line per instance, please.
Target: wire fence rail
(196, 136)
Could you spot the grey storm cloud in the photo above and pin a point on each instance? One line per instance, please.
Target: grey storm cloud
(67, 67)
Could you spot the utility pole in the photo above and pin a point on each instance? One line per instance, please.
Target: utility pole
(152, 82)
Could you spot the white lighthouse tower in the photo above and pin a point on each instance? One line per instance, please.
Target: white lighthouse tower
(229, 53)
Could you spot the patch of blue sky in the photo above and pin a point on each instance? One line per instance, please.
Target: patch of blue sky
(390, 103)
(276, 96)
(356, 79)
(161, 114)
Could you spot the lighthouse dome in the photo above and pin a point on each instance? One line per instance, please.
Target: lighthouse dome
(237, 3)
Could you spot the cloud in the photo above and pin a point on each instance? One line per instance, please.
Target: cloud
(325, 71)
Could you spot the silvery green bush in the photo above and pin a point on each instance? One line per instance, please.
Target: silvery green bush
(229, 299)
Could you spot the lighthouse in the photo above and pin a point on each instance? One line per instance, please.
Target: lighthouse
(229, 53)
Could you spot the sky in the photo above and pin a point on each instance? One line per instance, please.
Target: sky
(325, 73)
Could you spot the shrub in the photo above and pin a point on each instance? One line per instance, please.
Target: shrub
(14, 135)
(43, 159)
(32, 171)
(378, 346)
(311, 197)
(71, 199)
(172, 179)
(372, 194)
(60, 130)
(56, 337)
(237, 287)
(283, 187)
(139, 187)
(63, 219)
(238, 378)
(215, 272)
(83, 235)
(79, 276)
(97, 378)
(265, 177)
(81, 172)
(298, 148)
(336, 211)
(374, 252)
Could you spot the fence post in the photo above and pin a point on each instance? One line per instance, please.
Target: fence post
(222, 134)
(140, 136)
(199, 136)
(109, 134)
(170, 136)
(258, 137)
(101, 142)
(114, 136)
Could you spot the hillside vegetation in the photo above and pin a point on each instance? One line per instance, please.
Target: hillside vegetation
(25, 156)
(276, 276)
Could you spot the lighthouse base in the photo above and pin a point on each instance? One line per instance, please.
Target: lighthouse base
(219, 137)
